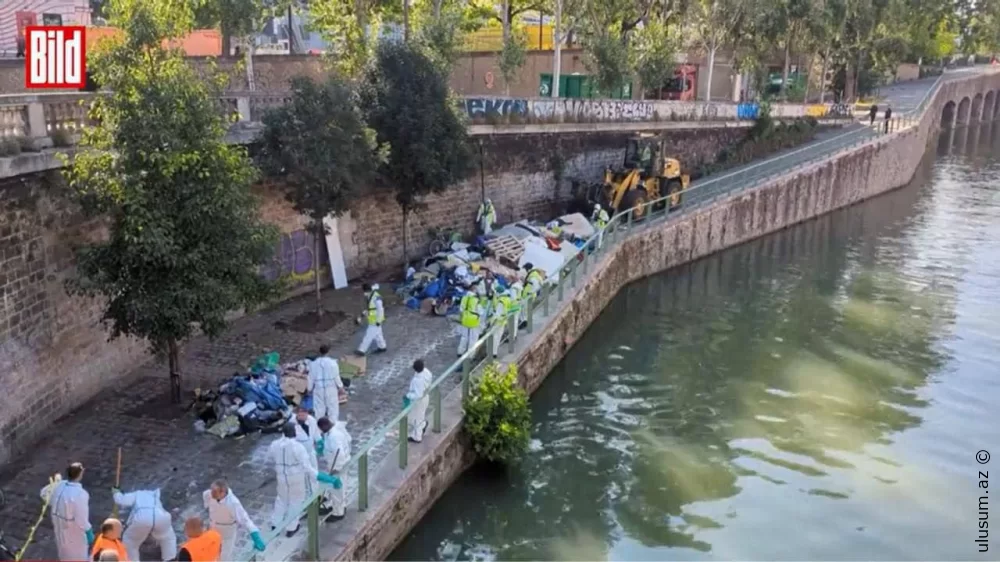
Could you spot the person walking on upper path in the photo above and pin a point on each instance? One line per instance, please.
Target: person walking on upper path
(872, 114)
(888, 116)
(70, 507)
(486, 217)
(227, 515)
(375, 316)
(418, 395)
(334, 450)
(146, 517)
(325, 385)
(110, 539)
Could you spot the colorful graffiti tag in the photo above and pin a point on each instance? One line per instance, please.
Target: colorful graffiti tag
(294, 259)
(816, 110)
(493, 108)
(747, 110)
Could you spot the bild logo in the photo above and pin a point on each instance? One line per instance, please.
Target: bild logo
(55, 56)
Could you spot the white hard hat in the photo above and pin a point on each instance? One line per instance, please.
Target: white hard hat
(375, 287)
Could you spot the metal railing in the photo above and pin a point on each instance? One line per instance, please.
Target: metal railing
(633, 220)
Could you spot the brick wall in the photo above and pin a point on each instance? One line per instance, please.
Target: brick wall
(54, 353)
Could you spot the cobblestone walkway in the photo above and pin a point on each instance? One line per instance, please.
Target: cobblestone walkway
(160, 446)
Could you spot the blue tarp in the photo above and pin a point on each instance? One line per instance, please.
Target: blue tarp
(267, 394)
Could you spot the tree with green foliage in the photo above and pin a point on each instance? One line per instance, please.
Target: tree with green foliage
(239, 19)
(606, 33)
(716, 23)
(654, 53)
(319, 145)
(497, 416)
(406, 101)
(351, 28)
(185, 242)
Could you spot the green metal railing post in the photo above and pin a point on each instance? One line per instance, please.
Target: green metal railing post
(629, 218)
(466, 376)
(363, 482)
(547, 291)
(572, 278)
(404, 441)
(585, 262)
(531, 313)
(436, 401)
(512, 331)
(560, 289)
(313, 525)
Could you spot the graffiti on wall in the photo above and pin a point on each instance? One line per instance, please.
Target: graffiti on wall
(815, 110)
(492, 108)
(839, 110)
(294, 259)
(585, 110)
(747, 110)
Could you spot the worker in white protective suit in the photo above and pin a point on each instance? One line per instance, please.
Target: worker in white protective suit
(307, 433)
(70, 507)
(374, 316)
(325, 385)
(599, 219)
(419, 395)
(486, 217)
(334, 450)
(226, 515)
(470, 315)
(294, 470)
(146, 517)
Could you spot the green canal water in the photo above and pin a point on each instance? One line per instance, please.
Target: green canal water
(821, 393)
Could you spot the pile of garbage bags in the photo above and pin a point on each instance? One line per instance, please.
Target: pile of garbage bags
(435, 285)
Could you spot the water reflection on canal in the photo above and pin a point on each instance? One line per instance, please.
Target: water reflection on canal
(816, 394)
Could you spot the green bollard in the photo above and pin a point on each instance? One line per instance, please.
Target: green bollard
(545, 301)
(512, 332)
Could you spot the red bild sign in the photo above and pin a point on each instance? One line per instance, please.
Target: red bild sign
(55, 56)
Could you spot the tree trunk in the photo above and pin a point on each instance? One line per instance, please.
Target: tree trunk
(250, 47)
(857, 78)
(437, 9)
(505, 24)
(174, 361)
(711, 70)
(227, 43)
(822, 78)
(291, 34)
(809, 63)
(783, 93)
(406, 21)
(557, 50)
(318, 234)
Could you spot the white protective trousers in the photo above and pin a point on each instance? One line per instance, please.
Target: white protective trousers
(336, 458)
(150, 521)
(467, 338)
(325, 383)
(226, 517)
(373, 334)
(418, 418)
(228, 533)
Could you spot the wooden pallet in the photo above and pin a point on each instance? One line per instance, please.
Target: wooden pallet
(507, 249)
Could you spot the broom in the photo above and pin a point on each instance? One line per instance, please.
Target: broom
(118, 479)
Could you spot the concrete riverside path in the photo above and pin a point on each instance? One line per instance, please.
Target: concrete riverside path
(161, 449)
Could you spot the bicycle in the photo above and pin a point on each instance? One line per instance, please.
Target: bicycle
(442, 239)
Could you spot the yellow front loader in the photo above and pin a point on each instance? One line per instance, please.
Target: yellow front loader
(645, 176)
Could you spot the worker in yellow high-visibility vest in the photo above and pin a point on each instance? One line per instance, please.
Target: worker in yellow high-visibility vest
(469, 318)
(375, 316)
(532, 289)
(500, 311)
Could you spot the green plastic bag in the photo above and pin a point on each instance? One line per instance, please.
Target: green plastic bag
(266, 362)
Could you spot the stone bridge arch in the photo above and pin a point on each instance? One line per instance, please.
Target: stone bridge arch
(962, 118)
(977, 108)
(989, 106)
(948, 114)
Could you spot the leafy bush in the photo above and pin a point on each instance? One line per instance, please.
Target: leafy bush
(497, 417)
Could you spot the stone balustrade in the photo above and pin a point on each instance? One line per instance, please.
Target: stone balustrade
(38, 121)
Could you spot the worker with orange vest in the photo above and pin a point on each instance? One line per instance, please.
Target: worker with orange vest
(110, 539)
(203, 545)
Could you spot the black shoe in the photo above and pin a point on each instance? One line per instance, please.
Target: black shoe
(291, 533)
(423, 429)
(412, 440)
(382, 350)
(325, 510)
(523, 325)
(359, 353)
(335, 517)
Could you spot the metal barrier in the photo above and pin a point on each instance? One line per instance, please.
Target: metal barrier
(652, 213)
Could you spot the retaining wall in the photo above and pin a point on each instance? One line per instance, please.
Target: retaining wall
(400, 497)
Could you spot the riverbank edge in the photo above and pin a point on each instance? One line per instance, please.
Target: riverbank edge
(399, 498)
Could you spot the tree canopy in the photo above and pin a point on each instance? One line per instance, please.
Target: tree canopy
(185, 242)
